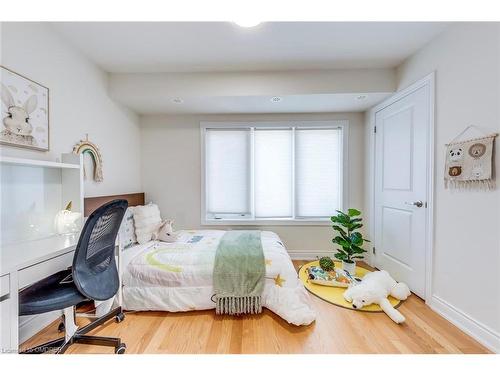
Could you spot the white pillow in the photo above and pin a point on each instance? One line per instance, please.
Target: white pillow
(146, 221)
(127, 229)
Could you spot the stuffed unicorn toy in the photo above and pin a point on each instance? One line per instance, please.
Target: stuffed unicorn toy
(374, 288)
(165, 232)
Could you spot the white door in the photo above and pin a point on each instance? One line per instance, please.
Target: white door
(402, 157)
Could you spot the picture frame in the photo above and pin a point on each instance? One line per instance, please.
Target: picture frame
(24, 112)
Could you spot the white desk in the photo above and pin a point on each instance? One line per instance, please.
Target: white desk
(40, 188)
(23, 264)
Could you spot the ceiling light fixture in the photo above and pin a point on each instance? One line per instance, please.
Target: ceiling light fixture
(177, 100)
(276, 99)
(247, 23)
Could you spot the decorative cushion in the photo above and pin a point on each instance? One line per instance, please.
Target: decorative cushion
(146, 221)
(165, 232)
(127, 229)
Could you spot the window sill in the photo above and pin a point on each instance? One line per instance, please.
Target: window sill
(267, 222)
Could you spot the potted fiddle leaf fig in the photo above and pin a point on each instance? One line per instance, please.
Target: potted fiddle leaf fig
(348, 238)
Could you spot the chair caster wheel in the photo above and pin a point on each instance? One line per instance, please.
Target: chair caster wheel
(120, 349)
(61, 327)
(120, 317)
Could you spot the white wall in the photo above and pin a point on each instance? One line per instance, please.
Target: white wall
(79, 104)
(466, 274)
(171, 171)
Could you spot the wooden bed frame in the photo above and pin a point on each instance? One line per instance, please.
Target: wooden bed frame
(92, 203)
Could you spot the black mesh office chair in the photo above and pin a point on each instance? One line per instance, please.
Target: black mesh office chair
(93, 277)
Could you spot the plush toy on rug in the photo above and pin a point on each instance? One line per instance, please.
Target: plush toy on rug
(374, 288)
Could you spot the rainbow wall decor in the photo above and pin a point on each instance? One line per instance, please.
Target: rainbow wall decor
(86, 147)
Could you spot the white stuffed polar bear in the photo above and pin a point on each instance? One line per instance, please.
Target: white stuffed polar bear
(374, 288)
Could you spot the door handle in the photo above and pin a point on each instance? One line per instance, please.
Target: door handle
(417, 203)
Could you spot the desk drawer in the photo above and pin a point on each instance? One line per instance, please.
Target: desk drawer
(32, 274)
(6, 325)
(4, 285)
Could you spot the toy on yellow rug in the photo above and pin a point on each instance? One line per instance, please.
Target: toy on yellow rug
(374, 288)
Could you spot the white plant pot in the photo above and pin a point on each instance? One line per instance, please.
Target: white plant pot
(349, 267)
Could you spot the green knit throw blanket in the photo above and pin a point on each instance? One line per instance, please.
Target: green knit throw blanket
(239, 272)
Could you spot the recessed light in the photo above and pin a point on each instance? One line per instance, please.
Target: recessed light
(247, 23)
(177, 100)
(276, 99)
(361, 97)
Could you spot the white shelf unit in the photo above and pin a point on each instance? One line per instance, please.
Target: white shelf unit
(33, 191)
(38, 163)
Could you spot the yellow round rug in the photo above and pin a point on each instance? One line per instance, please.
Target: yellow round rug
(333, 294)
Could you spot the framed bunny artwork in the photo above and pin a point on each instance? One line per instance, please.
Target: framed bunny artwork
(25, 112)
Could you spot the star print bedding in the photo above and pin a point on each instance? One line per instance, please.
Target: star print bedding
(179, 277)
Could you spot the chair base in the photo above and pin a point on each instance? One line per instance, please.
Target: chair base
(80, 337)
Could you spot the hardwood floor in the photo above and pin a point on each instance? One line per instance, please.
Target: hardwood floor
(336, 330)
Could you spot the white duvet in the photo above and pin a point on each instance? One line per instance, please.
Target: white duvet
(178, 277)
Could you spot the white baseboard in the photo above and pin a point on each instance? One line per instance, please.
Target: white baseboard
(309, 254)
(315, 255)
(31, 325)
(476, 330)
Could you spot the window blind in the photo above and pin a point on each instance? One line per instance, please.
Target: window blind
(318, 172)
(264, 172)
(228, 171)
(273, 173)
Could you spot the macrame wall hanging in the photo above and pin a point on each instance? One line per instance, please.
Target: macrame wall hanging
(469, 162)
(86, 147)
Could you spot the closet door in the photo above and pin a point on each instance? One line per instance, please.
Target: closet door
(401, 164)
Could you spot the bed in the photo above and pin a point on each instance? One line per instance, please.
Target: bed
(178, 276)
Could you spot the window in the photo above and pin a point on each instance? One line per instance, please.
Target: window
(228, 175)
(272, 172)
(273, 178)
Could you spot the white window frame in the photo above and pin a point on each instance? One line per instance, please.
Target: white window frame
(249, 219)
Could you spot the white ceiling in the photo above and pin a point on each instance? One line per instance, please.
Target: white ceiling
(250, 92)
(315, 103)
(148, 47)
